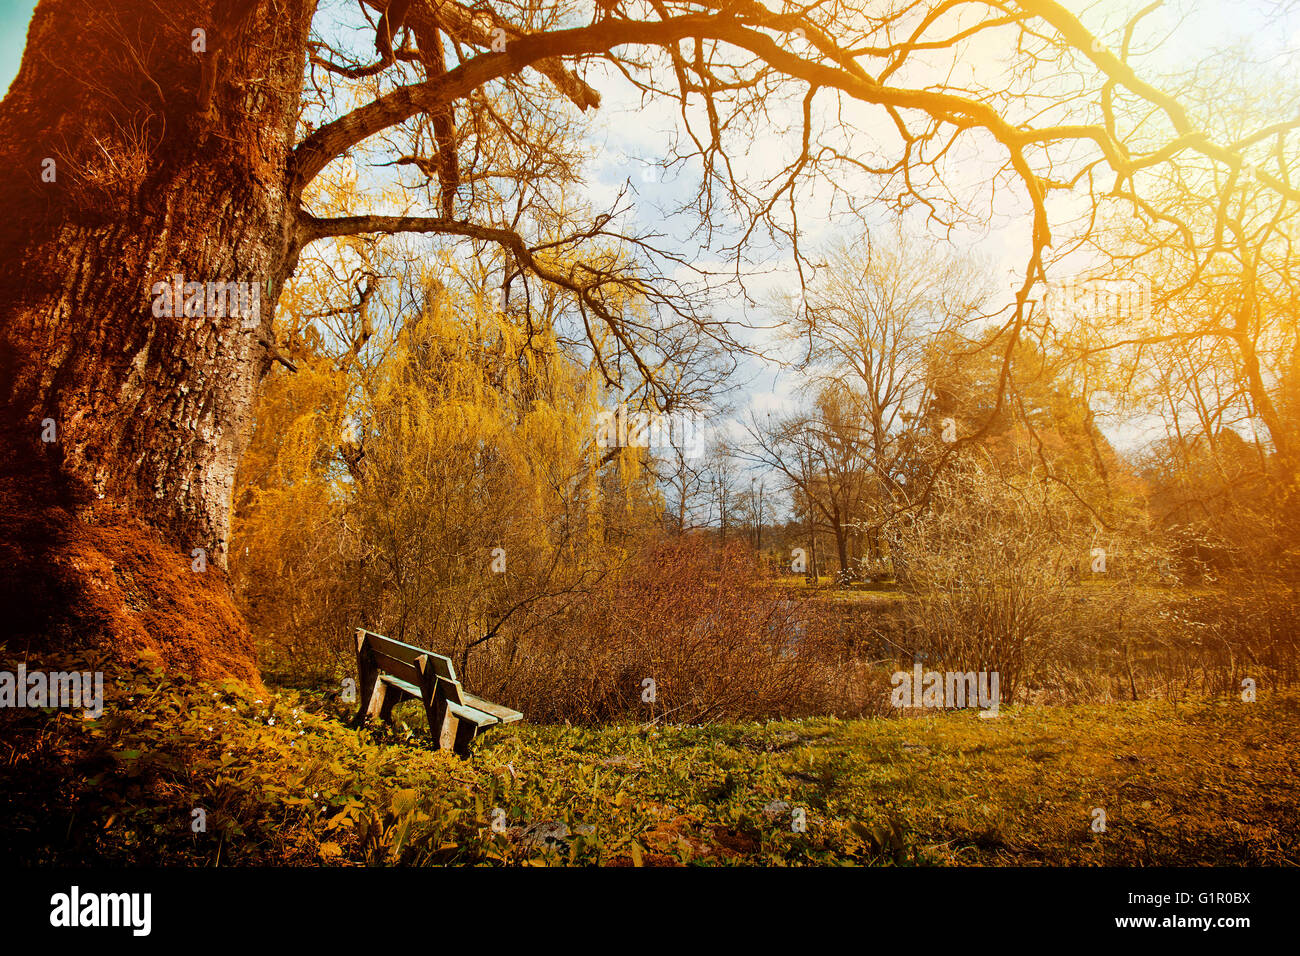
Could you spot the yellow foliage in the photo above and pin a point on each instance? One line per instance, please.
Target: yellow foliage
(454, 486)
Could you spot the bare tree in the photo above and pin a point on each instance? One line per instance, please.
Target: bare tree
(870, 320)
(820, 456)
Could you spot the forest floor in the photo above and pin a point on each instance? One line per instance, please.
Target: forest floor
(178, 771)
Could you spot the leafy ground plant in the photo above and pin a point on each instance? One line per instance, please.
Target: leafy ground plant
(276, 777)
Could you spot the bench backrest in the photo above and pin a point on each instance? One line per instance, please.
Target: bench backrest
(451, 690)
(403, 660)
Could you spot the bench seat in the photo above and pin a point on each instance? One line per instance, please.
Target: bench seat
(504, 715)
(400, 684)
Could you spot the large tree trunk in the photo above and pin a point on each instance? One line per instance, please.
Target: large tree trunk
(166, 161)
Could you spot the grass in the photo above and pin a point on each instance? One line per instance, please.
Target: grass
(281, 779)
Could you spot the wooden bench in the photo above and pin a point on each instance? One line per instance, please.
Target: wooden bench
(391, 671)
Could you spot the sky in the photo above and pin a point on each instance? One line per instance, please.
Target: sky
(625, 134)
(630, 130)
(14, 17)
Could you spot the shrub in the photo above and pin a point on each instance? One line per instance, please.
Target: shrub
(699, 621)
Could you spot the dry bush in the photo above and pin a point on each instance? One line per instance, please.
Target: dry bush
(1004, 579)
(1173, 643)
(1211, 640)
(991, 565)
(716, 639)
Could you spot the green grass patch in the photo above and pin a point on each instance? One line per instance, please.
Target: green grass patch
(281, 779)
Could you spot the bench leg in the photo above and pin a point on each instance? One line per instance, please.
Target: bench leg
(448, 732)
(465, 732)
(442, 724)
(370, 688)
(360, 719)
(367, 679)
(392, 696)
(372, 704)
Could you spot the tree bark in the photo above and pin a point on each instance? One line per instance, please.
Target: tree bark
(121, 428)
(841, 544)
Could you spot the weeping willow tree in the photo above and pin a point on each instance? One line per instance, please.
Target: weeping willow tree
(468, 503)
